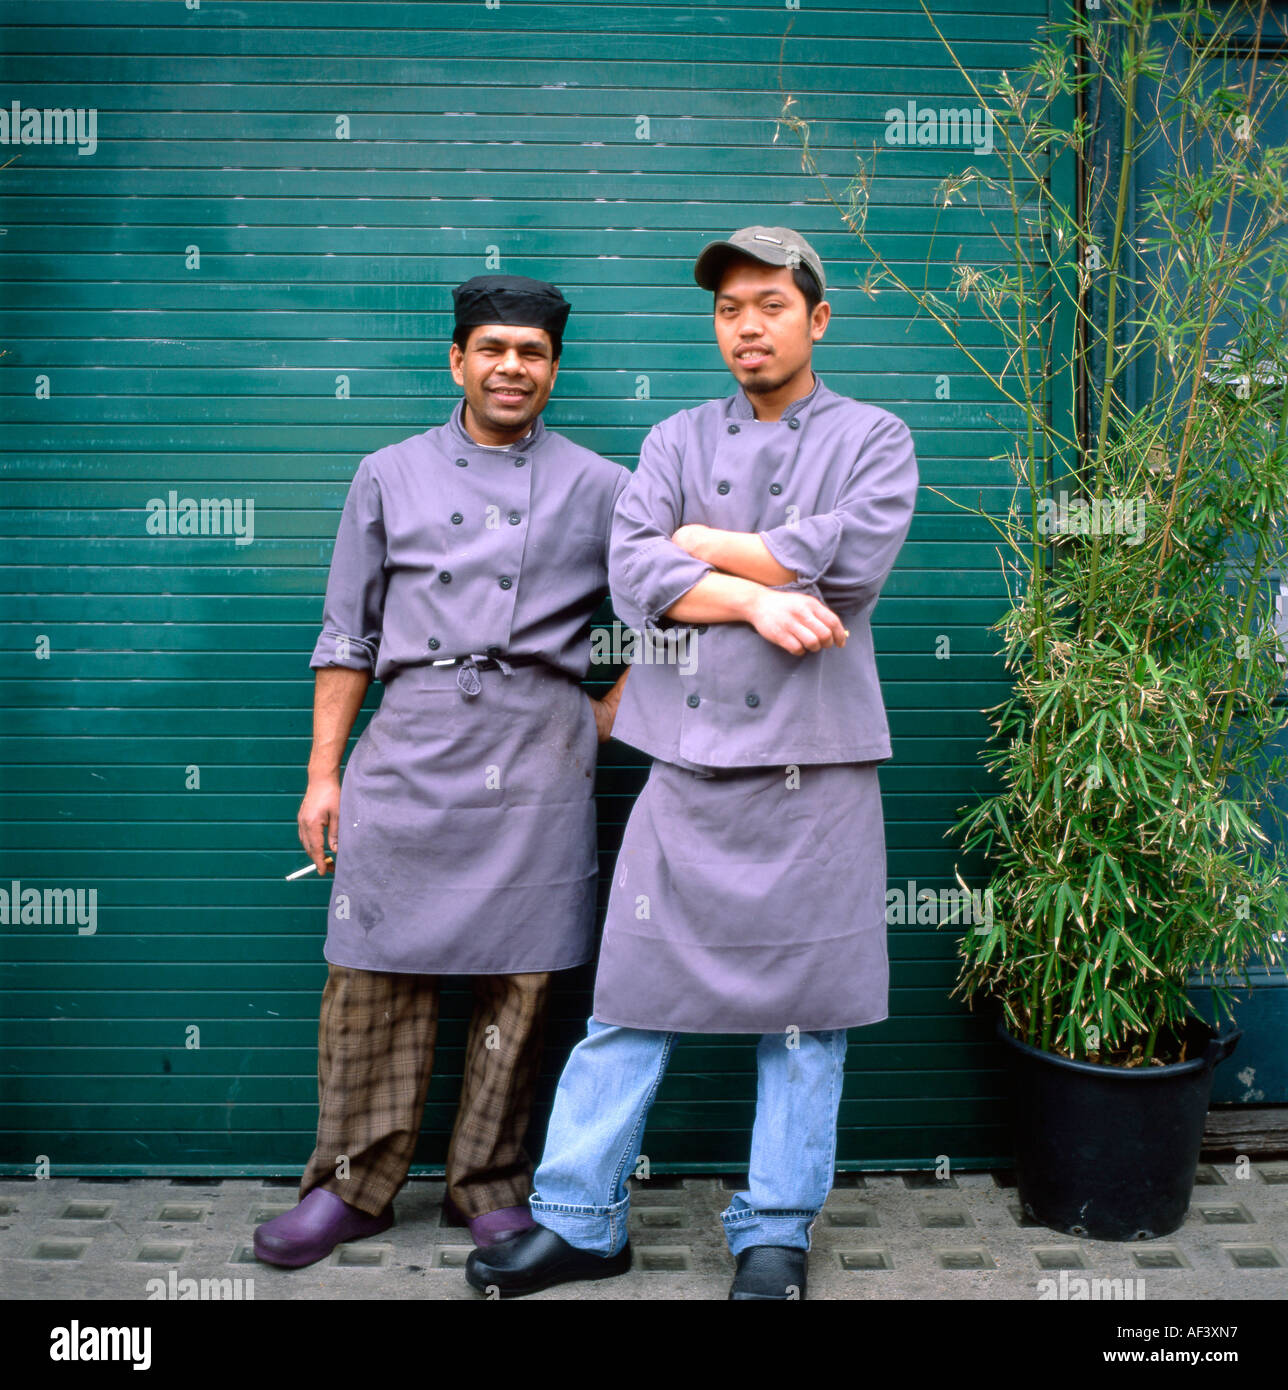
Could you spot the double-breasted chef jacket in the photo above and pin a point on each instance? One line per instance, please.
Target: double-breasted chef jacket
(749, 894)
(467, 825)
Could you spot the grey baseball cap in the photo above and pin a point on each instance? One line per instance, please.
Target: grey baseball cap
(772, 245)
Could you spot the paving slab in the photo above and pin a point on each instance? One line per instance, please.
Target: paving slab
(898, 1235)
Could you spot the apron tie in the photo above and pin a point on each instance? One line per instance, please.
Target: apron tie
(467, 676)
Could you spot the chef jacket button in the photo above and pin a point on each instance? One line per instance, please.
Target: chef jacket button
(445, 577)
(457, 518)
(518, 463)
(793, 423)
(462, 463)
(733, 429)
(494, 652)
(515, 518)
(775, 488)
(693, 701)
(702, 627)
(722, 488)
(434, 644)
(505, 581)
(753, 700)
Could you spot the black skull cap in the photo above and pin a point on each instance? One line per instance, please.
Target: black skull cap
(513, 299)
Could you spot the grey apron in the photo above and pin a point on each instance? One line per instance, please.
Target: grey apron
(467, 826)
(742, 903)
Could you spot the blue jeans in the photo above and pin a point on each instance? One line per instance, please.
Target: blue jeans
(597, 1125)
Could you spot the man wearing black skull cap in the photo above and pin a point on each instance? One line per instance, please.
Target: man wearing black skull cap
(468, 563)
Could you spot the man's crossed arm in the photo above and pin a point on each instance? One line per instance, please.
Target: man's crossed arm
(742, 591)
(734, 552)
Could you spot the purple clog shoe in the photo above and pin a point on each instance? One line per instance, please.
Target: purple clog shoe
(310, 1231)
(493, 1226)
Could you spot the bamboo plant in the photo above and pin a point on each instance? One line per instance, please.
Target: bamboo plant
(1130, 831)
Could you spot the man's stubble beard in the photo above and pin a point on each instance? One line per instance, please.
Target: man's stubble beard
(762, 386)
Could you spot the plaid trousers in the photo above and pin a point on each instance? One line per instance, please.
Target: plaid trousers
(376, 1037)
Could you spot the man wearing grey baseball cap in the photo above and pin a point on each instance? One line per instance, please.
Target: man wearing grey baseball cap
(749, 892)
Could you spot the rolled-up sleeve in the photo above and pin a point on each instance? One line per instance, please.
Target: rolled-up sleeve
(353, 613)
(848, 551)
(647, 571)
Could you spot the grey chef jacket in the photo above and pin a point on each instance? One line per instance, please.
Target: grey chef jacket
(439, 552)
(467, 804)
(830, 489)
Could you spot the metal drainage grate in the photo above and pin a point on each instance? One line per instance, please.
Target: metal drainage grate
(259, 1215)
(1164, 1257)
(86, 1211)
(851, 1216)
(158, 1252)
(1059, 1257)
(662, 1259)
(655, 1217)
(58, 1249)
(965, 1258)
(364, 1256)
(858, 1260)
(1233, 1215)
(181, 1211)
(1253, 1256)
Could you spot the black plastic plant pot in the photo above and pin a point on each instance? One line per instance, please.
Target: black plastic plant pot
(1110, 1152)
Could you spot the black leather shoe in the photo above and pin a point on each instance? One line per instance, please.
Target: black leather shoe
(769, 1271)
(538, 1259)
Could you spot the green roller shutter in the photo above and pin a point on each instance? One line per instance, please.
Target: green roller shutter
(243, 288)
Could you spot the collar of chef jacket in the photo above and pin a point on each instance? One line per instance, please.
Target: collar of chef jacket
(741, 408)
(844, 473)
(456, 424)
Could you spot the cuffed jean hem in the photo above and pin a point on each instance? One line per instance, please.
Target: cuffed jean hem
(750, 1227)
(602, 1230)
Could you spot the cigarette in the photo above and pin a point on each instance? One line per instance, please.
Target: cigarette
(310, 869)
